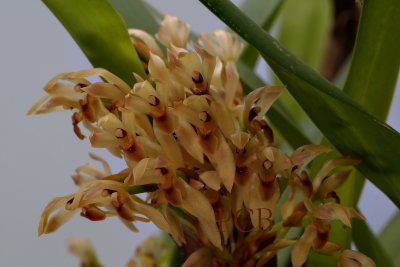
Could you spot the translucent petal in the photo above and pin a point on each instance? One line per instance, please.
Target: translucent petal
(350, 258)
(108, 76)
(222, 44)
(304, 154)
(53, 205)
(154, 215)
(57, 103)
(58, 220)
(103, 140)
(269, 95)
(332, 182)
(240, 139)
(176, 227)
(199, 258)
(224, 162)
(302, 247)
(170, 147)
(211, 179)
(195, 203)
(173, 31)
(110, 123)
(148, 40)
(328, 166)
(189, 140)
(106, 166)
(144, 172)
(105, 90)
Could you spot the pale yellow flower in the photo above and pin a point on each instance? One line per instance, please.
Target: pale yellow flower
(173, 32)
(203, 153)
(222, 44)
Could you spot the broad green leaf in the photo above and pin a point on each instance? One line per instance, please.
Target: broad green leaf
(371, 82)
(264, 14)
(376, 59)
(389, 238)
(348, 126)
(304, 29)
(367, 243)
(101, 34)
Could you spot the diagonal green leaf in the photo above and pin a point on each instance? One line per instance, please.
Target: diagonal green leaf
(264, 14)
(370, 245)
(101, 34)
(389, 238)
(348, 126)
(305, 28)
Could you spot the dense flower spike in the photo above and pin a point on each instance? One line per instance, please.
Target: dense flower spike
(203, 153)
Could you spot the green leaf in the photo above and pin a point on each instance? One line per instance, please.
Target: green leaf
(304, 30)
(389, 238)
(264, 13)
(101, 34)
(376, 59)
(370, 245)
(136, 13)
(348, 126)
(305, 27)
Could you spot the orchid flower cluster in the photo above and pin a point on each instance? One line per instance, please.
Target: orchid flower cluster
(202, 152)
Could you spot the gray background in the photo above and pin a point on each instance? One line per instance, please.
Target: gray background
(39, 153)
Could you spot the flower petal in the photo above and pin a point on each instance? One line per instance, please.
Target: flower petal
(154, 215)
(105, 90)
(353, 258)
(173, 32)
(328, 166)
(170, 147)
(195, 203)
(302, 247)
(304, 154)
(189, 140)
(108, 76)
(53, 205)
(211, 179)
(199, 258)
(148, 40)
(224, 162)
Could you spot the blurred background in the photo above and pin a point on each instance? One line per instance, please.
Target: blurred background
(38, 154)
